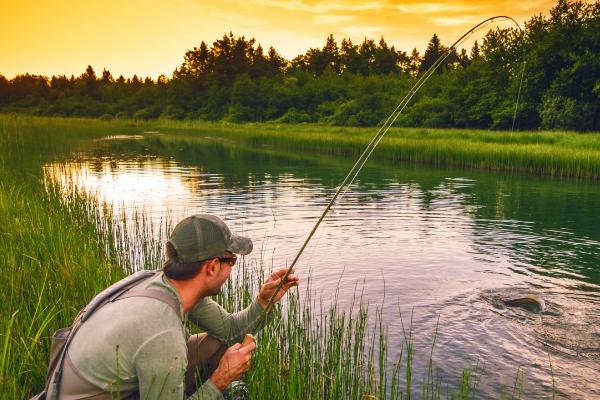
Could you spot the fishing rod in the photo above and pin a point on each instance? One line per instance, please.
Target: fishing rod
(362, 159)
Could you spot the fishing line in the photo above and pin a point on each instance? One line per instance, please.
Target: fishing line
(362, 159)
(512, 128)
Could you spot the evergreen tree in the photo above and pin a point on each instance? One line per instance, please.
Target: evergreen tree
(414, 61)
(4, 88)
(351, 60)
(331, 54)
(384, 59)
(475, 52)
(106, 77)
(432, 53)
(90, 83)
(276, 62)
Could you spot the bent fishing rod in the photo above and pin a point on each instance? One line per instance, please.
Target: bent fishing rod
(362, 159)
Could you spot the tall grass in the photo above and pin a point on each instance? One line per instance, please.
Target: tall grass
(561, 154)
(59, 249)
(56, 252)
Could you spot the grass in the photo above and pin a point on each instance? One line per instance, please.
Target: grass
(57, 251)
(561, 154)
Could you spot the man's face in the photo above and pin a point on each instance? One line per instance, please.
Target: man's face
(224, 270)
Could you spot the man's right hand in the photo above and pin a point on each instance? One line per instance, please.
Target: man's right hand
(234, 363)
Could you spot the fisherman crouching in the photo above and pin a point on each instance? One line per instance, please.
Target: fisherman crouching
(135, 343)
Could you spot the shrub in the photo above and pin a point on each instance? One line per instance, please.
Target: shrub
(143, 114)
(295, 116)
(559, 112)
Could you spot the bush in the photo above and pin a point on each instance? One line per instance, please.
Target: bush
(106, 117)
(143, 114)
(172, 112)
(560, 112)
(121, 115)
(295, 116)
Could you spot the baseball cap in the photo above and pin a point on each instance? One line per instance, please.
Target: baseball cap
(204, 236)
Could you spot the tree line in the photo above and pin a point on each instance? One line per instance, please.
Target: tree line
(553, 65)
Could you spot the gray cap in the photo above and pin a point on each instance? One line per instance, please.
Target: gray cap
(203, 236)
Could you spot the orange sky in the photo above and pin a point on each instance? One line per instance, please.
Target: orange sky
(149, 37)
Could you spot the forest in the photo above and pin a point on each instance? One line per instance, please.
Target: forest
(552, 66)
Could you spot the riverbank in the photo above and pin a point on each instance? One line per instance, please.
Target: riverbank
(560, 154)
(544, 153)
(58, 250)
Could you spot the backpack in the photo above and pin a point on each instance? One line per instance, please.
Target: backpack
(63, 337)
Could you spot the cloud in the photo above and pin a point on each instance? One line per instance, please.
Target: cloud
(364, 31)
(332, 19)
(435, 8)
(321, 7)
(237, 18)
(456, 21)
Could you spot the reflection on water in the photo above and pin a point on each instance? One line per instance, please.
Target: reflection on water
(427, 242)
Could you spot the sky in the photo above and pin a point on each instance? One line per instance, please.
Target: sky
(149, 37)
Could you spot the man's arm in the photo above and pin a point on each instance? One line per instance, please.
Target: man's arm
(230, 328)
(160, 366)
(225, 326)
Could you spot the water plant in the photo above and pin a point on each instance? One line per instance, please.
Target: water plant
(60, 248)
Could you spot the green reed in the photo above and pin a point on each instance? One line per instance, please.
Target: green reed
(58, 249)
(565, 154)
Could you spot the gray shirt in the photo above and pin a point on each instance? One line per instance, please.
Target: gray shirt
(140, 342)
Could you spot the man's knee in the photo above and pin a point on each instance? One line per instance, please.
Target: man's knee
(204, 353)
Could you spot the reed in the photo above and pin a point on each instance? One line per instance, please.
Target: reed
(58, 249)
(561, 154)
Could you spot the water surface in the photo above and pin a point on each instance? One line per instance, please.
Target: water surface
(426, 244)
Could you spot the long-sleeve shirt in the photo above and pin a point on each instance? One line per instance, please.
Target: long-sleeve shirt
(140, 343)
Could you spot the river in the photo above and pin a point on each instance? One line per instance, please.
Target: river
(431, 245)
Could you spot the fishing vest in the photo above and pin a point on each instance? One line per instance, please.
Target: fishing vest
(59, 366)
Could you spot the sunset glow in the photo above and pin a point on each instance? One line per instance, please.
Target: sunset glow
(149, 38)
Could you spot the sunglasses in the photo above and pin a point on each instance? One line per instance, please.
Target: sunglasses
(229, 260)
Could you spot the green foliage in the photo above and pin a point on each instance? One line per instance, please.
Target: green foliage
(233, 79)
(60, 249)
(295, 116)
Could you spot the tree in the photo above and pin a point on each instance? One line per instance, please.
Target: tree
(463, 58)
(4, 88)
(194, 62)
(276, 62)
(90, 83)
(475, 52)
(432, 53)
(106, 77)
(331, 54)
(384, 59)
(414, 61)
(351, 60)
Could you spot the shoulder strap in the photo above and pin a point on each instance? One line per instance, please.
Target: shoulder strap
(113, 291)
(108, 294)
(154, 294)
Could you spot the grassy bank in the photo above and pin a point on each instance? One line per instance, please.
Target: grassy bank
(561, 154)
(58, 250)
(551, 153)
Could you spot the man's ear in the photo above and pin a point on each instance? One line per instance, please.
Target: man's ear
(211, 267)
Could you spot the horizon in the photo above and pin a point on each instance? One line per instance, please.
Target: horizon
(139, 38)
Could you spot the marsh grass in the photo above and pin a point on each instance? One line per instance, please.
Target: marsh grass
(58, 249)
(561, 154)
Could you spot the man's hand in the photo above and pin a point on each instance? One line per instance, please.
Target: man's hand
(233, 364)
(268, 288)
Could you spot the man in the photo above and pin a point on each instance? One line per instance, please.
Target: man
(138, 347)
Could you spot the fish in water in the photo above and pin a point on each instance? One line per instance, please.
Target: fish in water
(516, 298)
(530, 302)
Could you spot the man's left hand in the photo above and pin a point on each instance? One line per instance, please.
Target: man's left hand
(268, 288)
